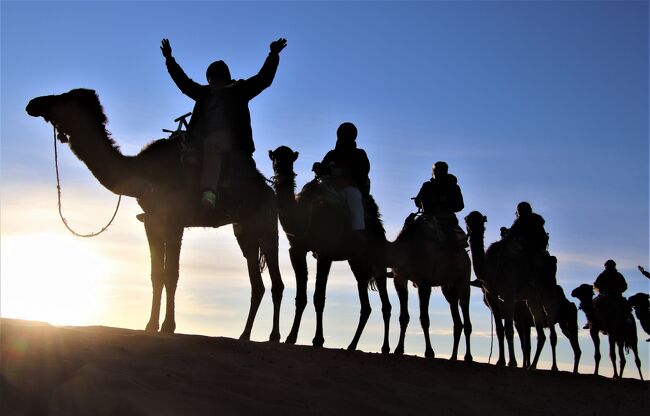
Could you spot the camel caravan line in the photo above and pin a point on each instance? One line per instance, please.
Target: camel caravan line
(520, 295)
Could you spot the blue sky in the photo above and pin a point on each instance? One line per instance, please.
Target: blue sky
(539, 101)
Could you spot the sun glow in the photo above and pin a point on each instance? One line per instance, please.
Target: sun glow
(53, 278)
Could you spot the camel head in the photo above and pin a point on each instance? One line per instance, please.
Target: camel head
(584, 293)
(475, 222)
(70, 111)
(283, 158)
(640, 301)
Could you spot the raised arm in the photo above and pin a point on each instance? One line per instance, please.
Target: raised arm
(263, 79)
(187, 86)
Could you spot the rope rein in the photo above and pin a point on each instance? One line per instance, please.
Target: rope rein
(58, 192)
(491, 334)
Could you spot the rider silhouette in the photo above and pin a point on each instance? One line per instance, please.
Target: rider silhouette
(221, 122)
(441, 198)
(348, 167)
(528, 227)
(610, 282)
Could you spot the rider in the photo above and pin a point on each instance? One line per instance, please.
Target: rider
(348, 167)
(221, 121)
(528, 228)
(441, 198)
(610, 282)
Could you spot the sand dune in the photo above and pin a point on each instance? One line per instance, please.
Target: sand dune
(113, 371)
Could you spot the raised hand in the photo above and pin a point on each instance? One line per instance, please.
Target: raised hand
(278, 45)
(166, 49)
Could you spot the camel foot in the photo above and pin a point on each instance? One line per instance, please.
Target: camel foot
(399, 350)
(554, 368)
(274, 337)
(512, 363)
(453, 358)
(429, 354)
(385, 349)
(152, 327)
(245, 336)
(291, 339)
(468, 358)
(352, 347)
(318, 342)
(168, 327)
(501, 362)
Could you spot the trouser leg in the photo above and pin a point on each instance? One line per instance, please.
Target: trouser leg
(355, 205)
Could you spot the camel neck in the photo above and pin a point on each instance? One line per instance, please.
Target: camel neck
(100, 154)
(477, 248)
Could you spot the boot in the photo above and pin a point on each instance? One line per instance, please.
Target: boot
(209, 199)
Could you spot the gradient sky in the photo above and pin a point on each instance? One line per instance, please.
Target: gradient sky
(540, 101)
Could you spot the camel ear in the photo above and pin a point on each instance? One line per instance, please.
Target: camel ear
(295, 156)
(485, 218)
(271, 155)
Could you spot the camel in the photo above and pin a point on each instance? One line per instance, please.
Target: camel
(567, 319)
(156, 177)
(418, 255)
(641, 306)
(613, 318)
(505, 277)
(316, 220)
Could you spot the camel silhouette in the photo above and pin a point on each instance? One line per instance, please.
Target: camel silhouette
(641, 306)
(565, 314)
(613, 318)
(156, 177)
(418, 255)
(503, 275)
(317, 220)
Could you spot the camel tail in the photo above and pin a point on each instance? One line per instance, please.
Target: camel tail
(261, 260)
(372, 284)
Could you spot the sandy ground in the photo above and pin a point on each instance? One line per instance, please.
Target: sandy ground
(113, 371)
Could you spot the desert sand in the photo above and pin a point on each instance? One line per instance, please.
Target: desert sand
(111, 371)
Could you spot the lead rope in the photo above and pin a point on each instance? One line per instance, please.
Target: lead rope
(491, 334)
(58, 192)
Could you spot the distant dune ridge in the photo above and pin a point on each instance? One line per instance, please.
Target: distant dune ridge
(113, 371)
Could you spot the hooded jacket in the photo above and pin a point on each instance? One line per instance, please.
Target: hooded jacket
(440, 196)
(226, 107)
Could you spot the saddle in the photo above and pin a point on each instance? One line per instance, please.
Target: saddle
(436, 232)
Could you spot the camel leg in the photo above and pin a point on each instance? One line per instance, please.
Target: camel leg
(637, 360)
(386, 308)
(299, 264)
(612, 355)
(401, 287)
(575, 345)
(596, 340)
(508, 315)
(493, 304)
(323, 267)
(553, 345)
(524, 340)
(157, 254)
(424, 293)
(452, 299)
(541, 339)
(570, 330)
(362, 275)
(173, 240)
(467, 323)
(250, 248)
(621, 356)
(270, 250)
